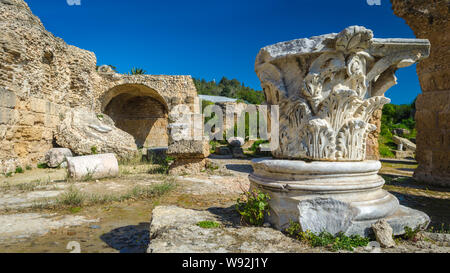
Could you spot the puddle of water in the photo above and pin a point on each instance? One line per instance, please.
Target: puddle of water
(121, 228)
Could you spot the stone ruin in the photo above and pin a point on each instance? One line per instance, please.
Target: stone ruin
(328, 88)
(429, 19)
(53, 94)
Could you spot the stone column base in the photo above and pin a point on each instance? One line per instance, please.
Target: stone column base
(331, 196)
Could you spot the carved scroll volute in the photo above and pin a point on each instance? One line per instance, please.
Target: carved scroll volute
(337, 76)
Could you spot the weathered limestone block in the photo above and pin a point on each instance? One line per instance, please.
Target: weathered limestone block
(190, 156)
(85, 132)
(189, 149)
(92, 167)
(383, 232)
(182, 166)
(57, 156)
(429, 20)
(406, 144)
(7, 98)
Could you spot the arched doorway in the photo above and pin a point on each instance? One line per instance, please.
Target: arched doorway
(139, 111)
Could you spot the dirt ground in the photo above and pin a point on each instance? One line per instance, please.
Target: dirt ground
(41, 212)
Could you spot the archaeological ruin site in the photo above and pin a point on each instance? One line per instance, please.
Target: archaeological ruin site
(95, 161)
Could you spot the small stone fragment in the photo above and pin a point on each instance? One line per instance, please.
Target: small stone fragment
(57, 156)
(383, 232)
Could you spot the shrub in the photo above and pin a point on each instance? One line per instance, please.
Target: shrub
(19, 170)
(253, 206)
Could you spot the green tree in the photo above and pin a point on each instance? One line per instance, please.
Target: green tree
(229, 88)
(137, 71)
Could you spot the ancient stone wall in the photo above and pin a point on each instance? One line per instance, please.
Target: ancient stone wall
(42, 77)
(430, 19)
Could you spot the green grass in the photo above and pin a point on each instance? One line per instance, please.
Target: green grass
(208, 224)
(19, 170)
(325, 239)
(42, 166)
(443, 229)
(71, 198)
(74, 198)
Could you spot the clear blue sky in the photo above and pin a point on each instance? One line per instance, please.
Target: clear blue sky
(211, 38)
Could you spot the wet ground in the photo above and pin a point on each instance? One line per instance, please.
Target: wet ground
(42, 226)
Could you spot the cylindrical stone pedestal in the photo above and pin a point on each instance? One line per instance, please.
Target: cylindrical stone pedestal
(331, 196)
(92, 167)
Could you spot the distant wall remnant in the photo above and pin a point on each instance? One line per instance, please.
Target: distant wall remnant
(430, 19)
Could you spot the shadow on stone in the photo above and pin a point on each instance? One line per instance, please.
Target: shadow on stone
(436, 208)
(242, 168)
(399, 161)
(129, 239)
(406, 169)
(227, 216)
(409, 182)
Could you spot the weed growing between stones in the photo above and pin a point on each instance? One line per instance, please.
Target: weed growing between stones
(74, 198)
(208, 224)
(42, 166)
(325, 239)
(443, 229)
(411, 234)
(253, 207)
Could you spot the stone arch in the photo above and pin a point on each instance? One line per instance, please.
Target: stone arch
(140, 111)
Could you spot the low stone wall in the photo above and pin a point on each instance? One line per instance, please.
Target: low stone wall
(26, 129)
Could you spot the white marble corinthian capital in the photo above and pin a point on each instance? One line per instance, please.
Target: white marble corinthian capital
(328, 87)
